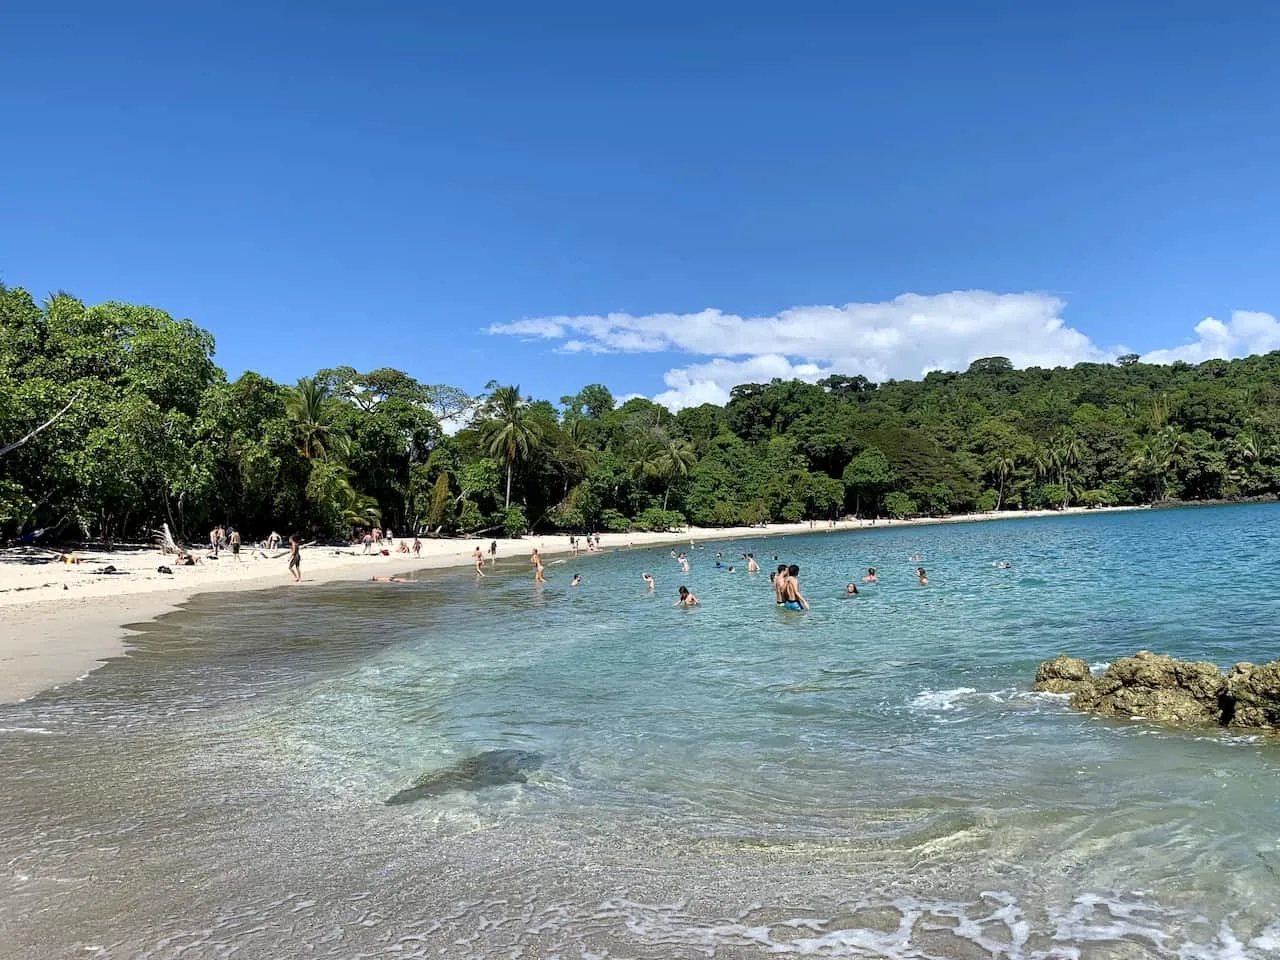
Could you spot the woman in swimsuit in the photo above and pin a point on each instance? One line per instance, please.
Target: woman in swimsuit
(687, 599)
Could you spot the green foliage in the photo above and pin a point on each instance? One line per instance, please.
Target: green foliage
(658, 520)
(515, 524)
(154, 433)
(899, 505)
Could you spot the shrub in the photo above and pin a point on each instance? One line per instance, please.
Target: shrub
(516, 523)
(987, 500)
(1097, 498)
(614, 522)
(659, 520)
(899, 506)
(470, 517)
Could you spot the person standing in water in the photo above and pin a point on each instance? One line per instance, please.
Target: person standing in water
(576, 581)
(493, 552)
(478, 557)
(295, 559)
(648, 579)
(752, 566)
(871, 576)
(687, 599)
(922, 576)
(792, 598)
(536, 559)
(779, 578)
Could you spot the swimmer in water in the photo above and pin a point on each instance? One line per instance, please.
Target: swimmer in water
(732, 570)
(922, 576)
(687, 599)
(478, 557)
(393, 580)
(916, 558)
(850, 589)
(752, 566)
(648, 579)
(779, 578)
(871, 576)
(577, 579)
(792, 598)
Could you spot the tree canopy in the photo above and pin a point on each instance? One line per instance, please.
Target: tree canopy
(117, 419)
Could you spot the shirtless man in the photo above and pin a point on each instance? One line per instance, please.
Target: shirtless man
(922, 576)
(792, 598)
(478, 557)
(752, 566)
(535, 558)
(648, 579)
(871, 576)
(780, 584)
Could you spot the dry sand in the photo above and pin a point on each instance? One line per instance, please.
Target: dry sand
(58, 621)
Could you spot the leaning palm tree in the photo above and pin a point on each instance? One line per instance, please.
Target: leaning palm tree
(1001, 466)
(510, 432)
(310, 407)
(674, 458)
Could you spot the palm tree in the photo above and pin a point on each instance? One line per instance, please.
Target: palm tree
(673, 458)
(1158, 454)
(1067, 453)
(1001, 466)
(310, 406)
(510, 432)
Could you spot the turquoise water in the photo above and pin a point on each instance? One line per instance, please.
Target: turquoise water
(872, 778)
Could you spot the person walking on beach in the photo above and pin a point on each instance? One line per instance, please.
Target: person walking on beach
(792, 598)
(478, 557)
(235, 544)
(493, 552)
(367, 540)
(295, 559)
(687, 599)
(213, 542)
(417, 546)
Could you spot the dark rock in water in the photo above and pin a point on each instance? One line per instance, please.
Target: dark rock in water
(493, 768)
(1063, 674)
(1252, 696)
(1166, 690)
(1155, 687)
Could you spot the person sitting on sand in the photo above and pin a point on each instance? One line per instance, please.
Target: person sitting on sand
(871, 576)
(402, 547)
(186, 560)
(922, 576)
(648, 579)
(687, 599)
(850, 589)
(273, 541)
(478, 557)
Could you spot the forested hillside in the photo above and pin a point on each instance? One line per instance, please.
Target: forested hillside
(154, 432)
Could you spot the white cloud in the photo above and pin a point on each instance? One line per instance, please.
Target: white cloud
(1248, 332)
(901, 338)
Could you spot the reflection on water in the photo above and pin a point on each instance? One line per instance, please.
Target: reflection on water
(872, 779)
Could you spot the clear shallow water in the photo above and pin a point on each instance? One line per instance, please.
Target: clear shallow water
(873, 778)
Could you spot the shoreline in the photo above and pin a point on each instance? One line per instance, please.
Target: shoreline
(61, 622)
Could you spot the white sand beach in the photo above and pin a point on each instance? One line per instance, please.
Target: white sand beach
(60, 621)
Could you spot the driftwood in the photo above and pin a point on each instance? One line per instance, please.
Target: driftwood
(48, 423)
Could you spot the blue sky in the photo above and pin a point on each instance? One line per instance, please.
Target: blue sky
(399, 185)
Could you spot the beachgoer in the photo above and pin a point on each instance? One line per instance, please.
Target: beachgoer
(389, 537)
(367, 540)
(577, 579)
(478, 557)
(779, 578)
(235, 544)
(273, 541)
(394, 580)
(493, 553)
(295, 559)
(752, 566)
(377, 538)
(535, 558)
(922, 576)
(687, 599)
(850, 589)
(732, 570)
(792, 598)
(417, 546)
(871, 576)
(213, 541)
(648, 578)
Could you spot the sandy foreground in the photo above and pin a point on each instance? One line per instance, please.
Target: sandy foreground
(58, 621)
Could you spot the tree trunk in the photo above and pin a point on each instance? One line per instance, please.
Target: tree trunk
(508, 503)
(1000, 494)
(665, 496)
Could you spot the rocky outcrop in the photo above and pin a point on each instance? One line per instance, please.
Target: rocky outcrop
(1160, 688)
(1063, 674)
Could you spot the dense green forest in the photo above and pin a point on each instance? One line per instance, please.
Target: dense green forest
(153, 432)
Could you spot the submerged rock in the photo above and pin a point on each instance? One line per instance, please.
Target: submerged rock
(1063, 674)
(493, 768)
(1163, 689)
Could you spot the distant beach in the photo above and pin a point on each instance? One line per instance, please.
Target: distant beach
(61, 621)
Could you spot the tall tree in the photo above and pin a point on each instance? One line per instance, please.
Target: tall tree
(510, 432)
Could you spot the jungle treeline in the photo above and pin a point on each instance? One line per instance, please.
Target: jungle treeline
(115, 419)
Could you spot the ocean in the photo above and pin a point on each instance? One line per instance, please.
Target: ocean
(872, 778)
